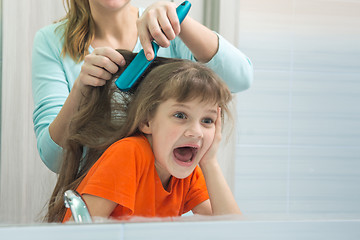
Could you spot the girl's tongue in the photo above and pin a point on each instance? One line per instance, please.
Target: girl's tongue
(184, 154)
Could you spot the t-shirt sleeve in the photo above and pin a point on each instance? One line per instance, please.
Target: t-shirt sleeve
(197, 192)
(114, 175)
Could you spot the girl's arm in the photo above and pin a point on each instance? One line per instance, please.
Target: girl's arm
(98, 206)
(222, 200)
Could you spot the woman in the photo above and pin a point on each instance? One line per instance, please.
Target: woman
(78, 52)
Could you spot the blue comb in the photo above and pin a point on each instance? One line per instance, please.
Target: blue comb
(139, 64)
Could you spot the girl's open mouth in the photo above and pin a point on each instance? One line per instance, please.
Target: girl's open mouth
(185, 155)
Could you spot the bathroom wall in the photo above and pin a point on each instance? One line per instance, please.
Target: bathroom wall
(298, 133)
(25, 181)
(1, 32)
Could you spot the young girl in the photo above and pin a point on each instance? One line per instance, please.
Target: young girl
(143, 150)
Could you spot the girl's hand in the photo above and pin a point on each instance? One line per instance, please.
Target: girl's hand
(99, 66)
(159, 22)
(210, 156)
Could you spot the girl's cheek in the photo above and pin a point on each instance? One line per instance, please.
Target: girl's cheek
(209, 138)
(211, 134)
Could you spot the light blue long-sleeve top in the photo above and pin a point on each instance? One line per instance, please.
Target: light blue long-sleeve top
(53, 77)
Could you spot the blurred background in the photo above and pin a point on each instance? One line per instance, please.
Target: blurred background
(296, 148)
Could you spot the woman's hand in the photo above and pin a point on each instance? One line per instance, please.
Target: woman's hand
(99, 66)
(210, 156)
(159, 22)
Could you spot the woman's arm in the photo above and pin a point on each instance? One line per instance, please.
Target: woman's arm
(50, 88)
(54, 103)
(159, 22)
(201, 41)
(98, 67)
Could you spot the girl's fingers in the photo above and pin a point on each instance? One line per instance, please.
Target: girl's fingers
(210, 155)
(218, 126)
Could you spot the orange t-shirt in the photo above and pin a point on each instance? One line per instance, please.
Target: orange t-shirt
(126, 174)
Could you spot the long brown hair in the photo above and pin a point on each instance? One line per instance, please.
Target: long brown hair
(106, 115)
(78, 29)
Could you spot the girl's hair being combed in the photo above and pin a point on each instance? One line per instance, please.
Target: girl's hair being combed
(78, 29)
(107, 115)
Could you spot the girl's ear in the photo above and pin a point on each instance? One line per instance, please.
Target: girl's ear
(145, 128)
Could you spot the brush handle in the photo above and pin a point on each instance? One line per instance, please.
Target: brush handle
(182, 10)
(139, 64)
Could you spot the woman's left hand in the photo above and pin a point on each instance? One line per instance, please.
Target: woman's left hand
(159, 22)
(210, 156)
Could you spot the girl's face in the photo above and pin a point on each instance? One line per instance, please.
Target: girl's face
(180, 135)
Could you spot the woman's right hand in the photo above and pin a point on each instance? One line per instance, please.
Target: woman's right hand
(159, 22)
(99, 66)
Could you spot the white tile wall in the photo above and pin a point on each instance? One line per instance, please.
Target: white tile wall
(26, 183)
(298, 129)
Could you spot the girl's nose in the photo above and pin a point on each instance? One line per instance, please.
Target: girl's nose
(194, 130)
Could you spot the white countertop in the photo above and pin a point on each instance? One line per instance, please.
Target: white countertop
(191, 228)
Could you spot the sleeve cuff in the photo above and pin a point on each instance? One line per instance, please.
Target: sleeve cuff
(50, 152)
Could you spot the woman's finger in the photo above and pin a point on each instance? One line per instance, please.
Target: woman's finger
(89, 80)
(113, 55)
(97, 72)
(156, 32)
(145, 41)
(166, 27)
(174, 20)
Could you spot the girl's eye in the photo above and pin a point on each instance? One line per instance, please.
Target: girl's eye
(180, 115)
(207, 121)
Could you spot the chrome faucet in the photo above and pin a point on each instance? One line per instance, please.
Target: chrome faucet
(79, 210)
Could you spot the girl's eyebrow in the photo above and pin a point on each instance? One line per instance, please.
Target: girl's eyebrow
(180, 105)
(212, 111)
